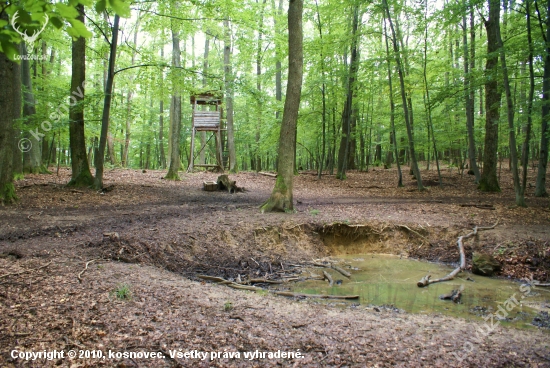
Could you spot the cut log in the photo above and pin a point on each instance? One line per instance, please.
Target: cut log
(320, 296)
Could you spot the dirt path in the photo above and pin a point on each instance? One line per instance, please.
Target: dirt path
(152, 237)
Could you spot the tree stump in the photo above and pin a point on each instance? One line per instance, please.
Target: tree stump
(224, 183)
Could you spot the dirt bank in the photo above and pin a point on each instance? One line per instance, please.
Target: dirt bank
(151, 237)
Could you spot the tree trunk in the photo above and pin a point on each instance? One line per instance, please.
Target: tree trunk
(520, 198)
(175, 112)
(162, 155)
(229, 80)
(489, 180)
(281, 198)
(525, 153)
(10, 106)
(469, 102)
(343, 152)
(32, 155)
(405, 101)
(98, 183)
(80, 175)
(540, 190)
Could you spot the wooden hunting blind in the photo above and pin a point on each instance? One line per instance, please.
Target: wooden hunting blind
(206, 121)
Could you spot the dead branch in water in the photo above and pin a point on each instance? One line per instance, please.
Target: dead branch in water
(329, 278)
(425, 281)
(321, 296)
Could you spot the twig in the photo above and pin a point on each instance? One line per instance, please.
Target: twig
(31, 270)
(85, 268)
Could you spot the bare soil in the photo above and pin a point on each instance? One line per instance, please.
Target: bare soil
(65, 252)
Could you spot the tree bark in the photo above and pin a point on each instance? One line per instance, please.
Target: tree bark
(489, 180)
(98, 183)
(281, 198)
(80, 175)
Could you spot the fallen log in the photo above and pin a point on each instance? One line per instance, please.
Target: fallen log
(265, 281)
(329, 278)
(425, 281)
(214, 279)
(336, 268)
(268, 174)
(320, 296)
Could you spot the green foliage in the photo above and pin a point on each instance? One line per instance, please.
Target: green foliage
(228, 306)
(122, 292)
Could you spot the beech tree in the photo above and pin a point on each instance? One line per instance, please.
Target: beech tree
(281, 198)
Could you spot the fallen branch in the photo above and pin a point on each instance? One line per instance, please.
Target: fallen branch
(321, 296)
(85, 268)
(214, 279)
(31, 270)
(541, 285)
(329, 278)
(425, 281)
(268, 174)
(244, 287)
(265, 281)
(480, 206)
(336, 268)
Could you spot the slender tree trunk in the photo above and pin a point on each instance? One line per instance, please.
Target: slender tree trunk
(469, 104)
(392, 111)
(343, 152)
(202, 134)
(229, 80)
(98, 183)
(31, 156)
(323, 95)
(489, 180)
(161, 114)
(540, 190)
(175, 112)
(80, 175)
(281, 198)
(414, 164)
(525, 155)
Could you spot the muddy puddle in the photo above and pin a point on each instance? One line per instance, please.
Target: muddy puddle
(390, 281)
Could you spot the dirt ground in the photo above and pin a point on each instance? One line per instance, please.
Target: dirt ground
(68, 258)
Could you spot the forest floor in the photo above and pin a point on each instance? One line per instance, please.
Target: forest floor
(68, 257)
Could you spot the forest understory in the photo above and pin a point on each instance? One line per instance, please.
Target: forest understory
(67, 254)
